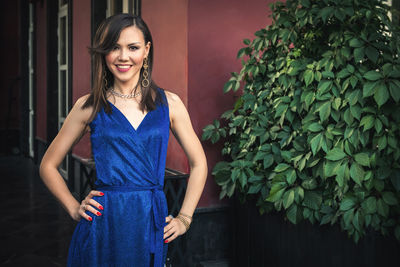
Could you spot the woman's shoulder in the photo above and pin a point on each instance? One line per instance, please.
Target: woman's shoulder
(173, 99)
(177, 108)
(81, 100)
(81, 111)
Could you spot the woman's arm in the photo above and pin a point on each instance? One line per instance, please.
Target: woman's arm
(182, 129)
(74, 127)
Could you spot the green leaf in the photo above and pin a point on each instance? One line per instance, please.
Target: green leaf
(324, 86)
(340, 175)
(389, 198)
(382, 208)
(328, 74)
(356, 42)
(312, 200)
(288, 198)
(359, 54)
(378, 125)
(356, 221)
(335, 154)
(276, 192)
(348, 218)
(222, 172)
(372, 53)
(355, 110)
(291, 177)
(382, 142)
(395, 179)
(357, 173)
(293, 214)
(246, 41)
(362, 159)
(381, 94)
(308, 77)
(243, 179)
(281, 167)
(367, 122)
(369, 88)
(347, 203)
(230, 189)
(348, 117)
(331, 167)
(316, 143)
(315, 127)
(268, 161)
(394, 91)
(254, 189)
(343, 74)
(336, 103)
(241, 52)
(373, 75)
(309, 184)
(369, 205)
(228, 86)
(325, 111)
(326, 12)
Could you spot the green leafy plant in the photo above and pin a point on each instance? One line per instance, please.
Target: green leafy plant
(316, 131)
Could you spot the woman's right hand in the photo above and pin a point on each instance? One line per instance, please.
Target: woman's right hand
(88, 204)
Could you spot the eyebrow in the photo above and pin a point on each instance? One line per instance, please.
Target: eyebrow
(135, 43)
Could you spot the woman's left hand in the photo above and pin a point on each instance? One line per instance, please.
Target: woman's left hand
(173, 229)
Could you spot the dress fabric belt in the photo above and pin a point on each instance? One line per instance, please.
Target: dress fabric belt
(157, 219)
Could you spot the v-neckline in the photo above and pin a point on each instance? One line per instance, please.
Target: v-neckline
(125, 118)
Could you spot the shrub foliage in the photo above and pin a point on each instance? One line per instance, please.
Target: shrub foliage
(316, 131)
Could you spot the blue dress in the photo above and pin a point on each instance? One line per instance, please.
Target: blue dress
(130, 166)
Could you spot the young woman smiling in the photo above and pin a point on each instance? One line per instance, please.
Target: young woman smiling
(124, 222)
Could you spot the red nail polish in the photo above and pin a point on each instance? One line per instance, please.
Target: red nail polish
(90, 219)
(101, 194)
(101, 207)
(166, 241)
(98, 213)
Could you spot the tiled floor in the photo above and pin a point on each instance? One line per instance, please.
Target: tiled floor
(35, 229)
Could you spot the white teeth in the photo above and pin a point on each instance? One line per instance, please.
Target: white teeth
(123, 67)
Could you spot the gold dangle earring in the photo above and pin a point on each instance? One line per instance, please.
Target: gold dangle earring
(145, 74)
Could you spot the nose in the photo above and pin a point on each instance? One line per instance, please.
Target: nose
(123, 55)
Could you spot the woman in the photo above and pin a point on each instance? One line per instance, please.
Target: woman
(124, 221)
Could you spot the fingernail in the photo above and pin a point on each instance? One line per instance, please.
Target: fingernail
(98, 213)
(90, 219)
(101, 194)
(101, 207)
(166, 241)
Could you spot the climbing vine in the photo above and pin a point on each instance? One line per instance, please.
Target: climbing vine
(316, 131)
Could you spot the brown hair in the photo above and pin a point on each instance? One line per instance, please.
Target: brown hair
(106, 37)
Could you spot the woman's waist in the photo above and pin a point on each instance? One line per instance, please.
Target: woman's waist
(129, 187)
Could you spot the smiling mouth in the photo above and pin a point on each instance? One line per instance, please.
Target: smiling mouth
(123, 68)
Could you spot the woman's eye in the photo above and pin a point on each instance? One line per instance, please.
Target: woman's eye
(115, 48)
(133, 48)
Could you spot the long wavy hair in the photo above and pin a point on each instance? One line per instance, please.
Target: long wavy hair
(105, 39)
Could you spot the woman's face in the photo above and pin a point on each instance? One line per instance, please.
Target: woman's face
(126, 58)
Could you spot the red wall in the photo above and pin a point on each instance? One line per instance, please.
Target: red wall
(216, 30)
(167, 21)
(81, 70)
(41, 67)
(196, 43)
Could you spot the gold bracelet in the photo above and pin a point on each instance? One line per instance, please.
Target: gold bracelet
(183, 220)
(187, 216)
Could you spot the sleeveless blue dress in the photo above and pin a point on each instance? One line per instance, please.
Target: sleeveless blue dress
(130, 167)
